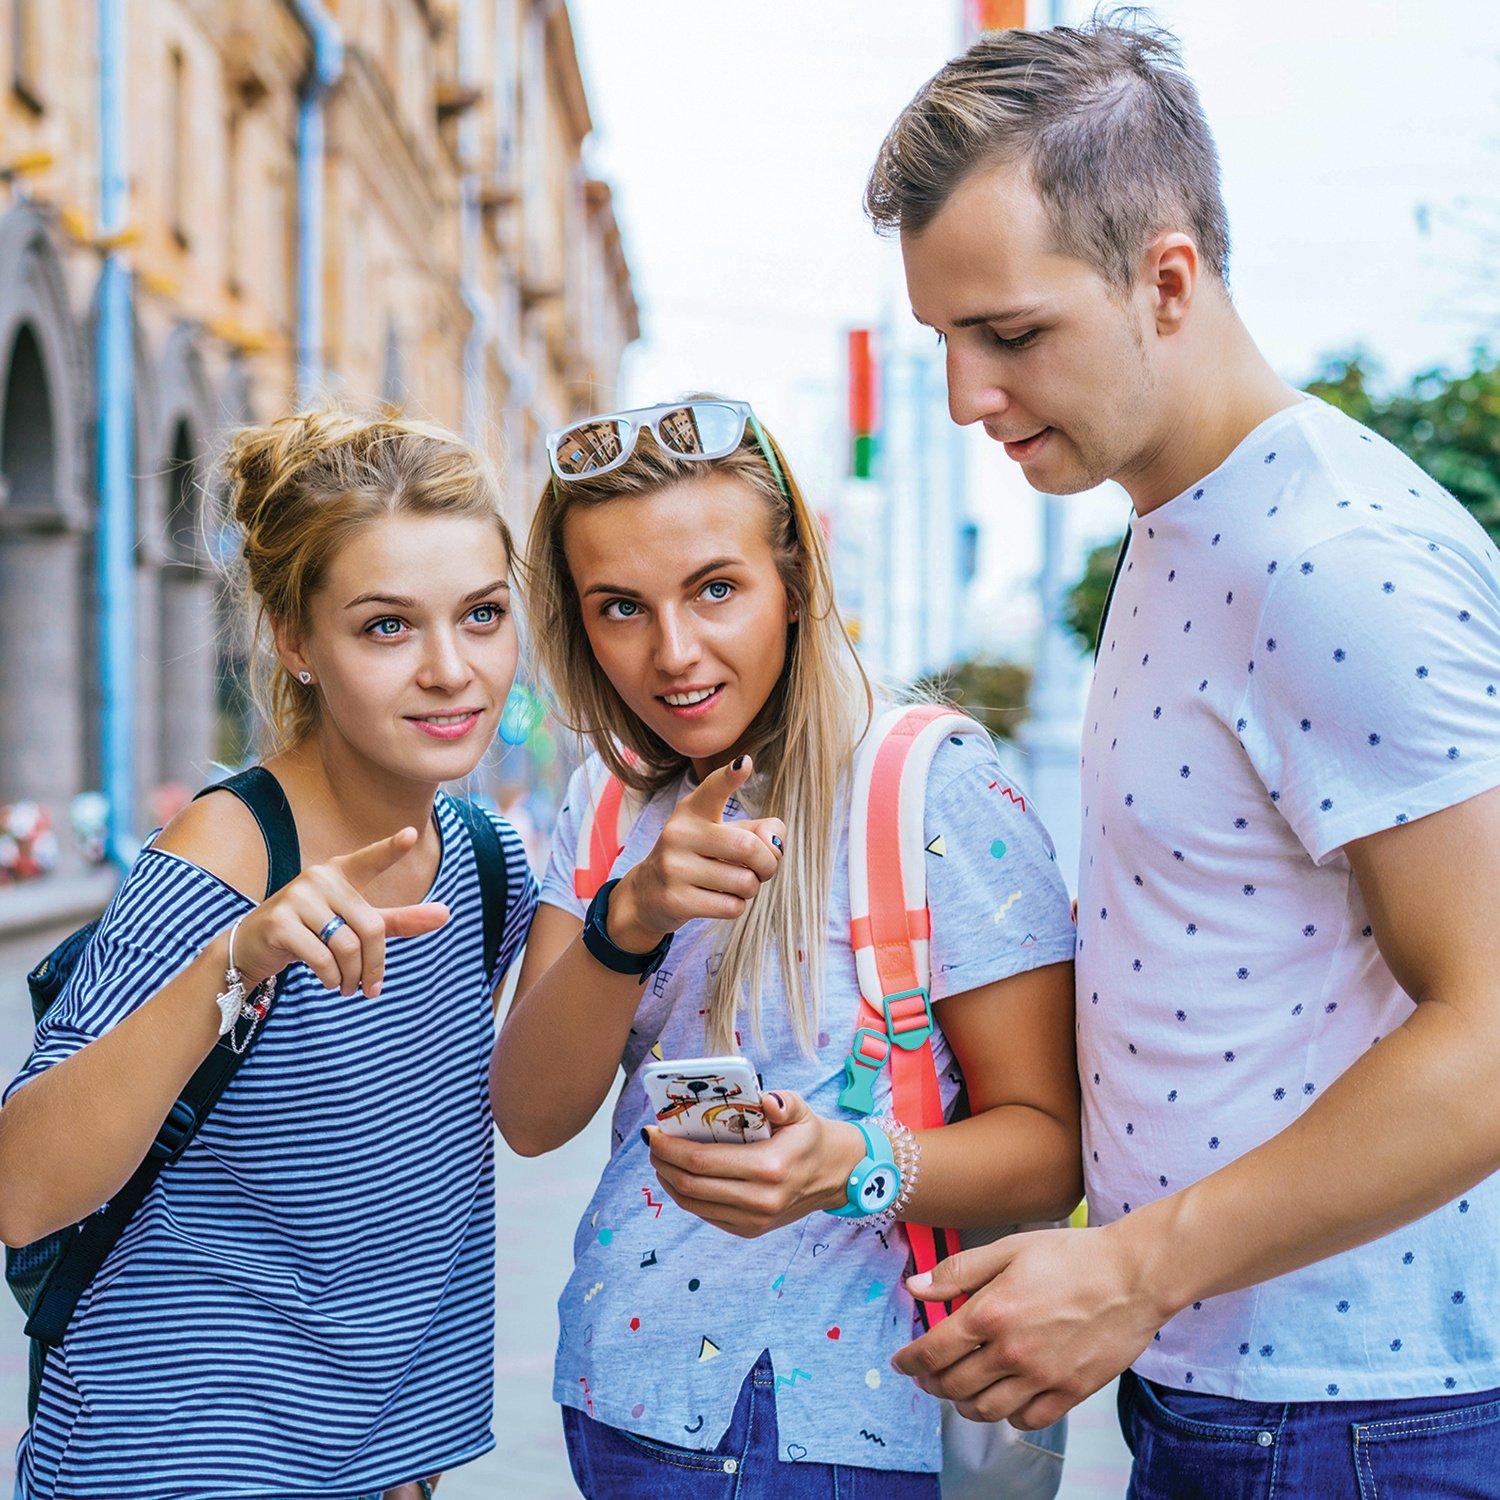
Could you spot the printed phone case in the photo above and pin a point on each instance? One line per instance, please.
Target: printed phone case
(708, 1104)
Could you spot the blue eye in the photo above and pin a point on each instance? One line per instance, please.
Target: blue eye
(628, 609)
(718, 590)
(487, 614)
(379, 627)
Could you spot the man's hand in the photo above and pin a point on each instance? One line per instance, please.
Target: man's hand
(1052, 1316)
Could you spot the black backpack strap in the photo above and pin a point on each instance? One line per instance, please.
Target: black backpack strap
(494, 879)
(260, 791)
(77, 1266)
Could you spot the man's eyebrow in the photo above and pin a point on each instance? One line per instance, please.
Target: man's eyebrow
(1011, 315)
(628, 593)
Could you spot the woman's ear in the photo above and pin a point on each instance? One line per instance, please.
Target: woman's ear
(289, 652)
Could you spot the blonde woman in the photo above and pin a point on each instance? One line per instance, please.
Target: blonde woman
(683, 612)
(302, 1305)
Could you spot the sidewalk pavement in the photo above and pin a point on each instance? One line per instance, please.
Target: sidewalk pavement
(534, 1256)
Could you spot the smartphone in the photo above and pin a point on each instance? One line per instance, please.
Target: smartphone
(708, 1099)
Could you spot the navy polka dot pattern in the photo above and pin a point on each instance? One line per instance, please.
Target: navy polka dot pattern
(1345, 682)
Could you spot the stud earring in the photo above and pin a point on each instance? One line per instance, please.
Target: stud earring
(304, 678)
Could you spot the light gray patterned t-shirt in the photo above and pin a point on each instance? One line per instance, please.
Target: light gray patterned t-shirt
(665, 1315)
(1304, 649)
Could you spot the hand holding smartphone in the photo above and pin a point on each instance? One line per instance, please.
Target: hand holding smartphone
(713, 1099)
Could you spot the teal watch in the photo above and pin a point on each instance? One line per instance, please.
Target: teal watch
(875, 1184)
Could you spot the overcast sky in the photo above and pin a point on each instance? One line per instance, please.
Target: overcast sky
(738, 137)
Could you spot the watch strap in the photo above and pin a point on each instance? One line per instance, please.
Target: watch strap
(619, 960)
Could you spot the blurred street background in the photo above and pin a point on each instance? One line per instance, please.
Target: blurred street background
(501, 214)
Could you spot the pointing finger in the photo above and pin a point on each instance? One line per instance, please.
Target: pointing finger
(711, 796)
(413, 921)
(361, 867)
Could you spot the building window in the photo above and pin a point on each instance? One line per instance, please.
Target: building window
(25, 19)
(177, 127)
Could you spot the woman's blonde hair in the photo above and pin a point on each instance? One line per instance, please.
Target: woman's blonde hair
(298, 489)
(803, 739)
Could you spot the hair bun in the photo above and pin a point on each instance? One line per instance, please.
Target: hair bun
(263, 461)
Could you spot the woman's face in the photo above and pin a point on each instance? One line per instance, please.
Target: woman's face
(684, 607)
(412, 644)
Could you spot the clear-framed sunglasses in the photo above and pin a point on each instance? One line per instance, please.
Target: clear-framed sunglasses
(704, 430)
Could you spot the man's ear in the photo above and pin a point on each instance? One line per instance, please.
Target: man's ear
(1171, 272)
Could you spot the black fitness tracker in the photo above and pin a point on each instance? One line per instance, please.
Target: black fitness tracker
(597, 940)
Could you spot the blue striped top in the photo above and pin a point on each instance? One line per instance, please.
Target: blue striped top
(304, 1305)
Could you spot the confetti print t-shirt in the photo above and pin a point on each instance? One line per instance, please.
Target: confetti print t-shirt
(665, 1315)
(1304, 649)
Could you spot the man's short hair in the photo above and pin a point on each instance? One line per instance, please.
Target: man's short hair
(1102, 116)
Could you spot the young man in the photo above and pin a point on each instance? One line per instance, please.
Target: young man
(1288, 955)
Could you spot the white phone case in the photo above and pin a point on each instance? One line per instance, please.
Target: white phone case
(708, 1099)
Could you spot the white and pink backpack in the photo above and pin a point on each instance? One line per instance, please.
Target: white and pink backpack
(890, 924)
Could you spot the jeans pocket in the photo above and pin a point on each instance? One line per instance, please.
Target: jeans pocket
(679, 1458)
(1454, 1453)
(1208, 1449)
(611, 1464)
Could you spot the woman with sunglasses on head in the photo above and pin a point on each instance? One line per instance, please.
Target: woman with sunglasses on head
(302, 1305)
(683, 612)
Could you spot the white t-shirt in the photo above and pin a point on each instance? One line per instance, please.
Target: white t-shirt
(1304, 648)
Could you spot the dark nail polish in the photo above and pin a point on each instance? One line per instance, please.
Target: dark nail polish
(780, 1102)
(776, 843)
(739, 761)
(645, 1135)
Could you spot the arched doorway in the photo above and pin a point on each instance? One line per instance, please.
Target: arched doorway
(176, 626)
(235, 730)
(43, 651)
(46, 563)
(187, 624)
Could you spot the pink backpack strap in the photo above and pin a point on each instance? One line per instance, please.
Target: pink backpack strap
(890, 930)
(608, 816)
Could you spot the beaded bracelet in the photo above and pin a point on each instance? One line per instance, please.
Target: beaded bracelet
(907, 1151)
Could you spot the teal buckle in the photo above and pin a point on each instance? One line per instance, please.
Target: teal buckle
(918, 1035)
(860, 1075)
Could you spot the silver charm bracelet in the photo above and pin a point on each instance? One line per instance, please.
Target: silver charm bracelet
(236, 1003)
(907, 1151)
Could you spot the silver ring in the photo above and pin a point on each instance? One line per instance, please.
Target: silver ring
(330, 927)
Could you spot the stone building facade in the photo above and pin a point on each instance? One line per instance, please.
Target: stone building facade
(471, 270)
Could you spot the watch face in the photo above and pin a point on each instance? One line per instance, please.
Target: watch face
(879, 1189)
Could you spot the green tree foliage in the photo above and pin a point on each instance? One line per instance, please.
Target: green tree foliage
(1083, 604)
(988, 689)
(1449, 424)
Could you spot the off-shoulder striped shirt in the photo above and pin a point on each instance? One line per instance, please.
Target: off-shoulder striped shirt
(303, 1306)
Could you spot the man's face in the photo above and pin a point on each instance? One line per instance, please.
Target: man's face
(1041, 350)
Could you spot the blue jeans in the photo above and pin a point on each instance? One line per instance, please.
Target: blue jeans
(611, 1464)
(1192, 1446)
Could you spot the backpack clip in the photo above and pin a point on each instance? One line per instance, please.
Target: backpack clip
(176, 1133)
(908, 1026)
(861, 1068)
